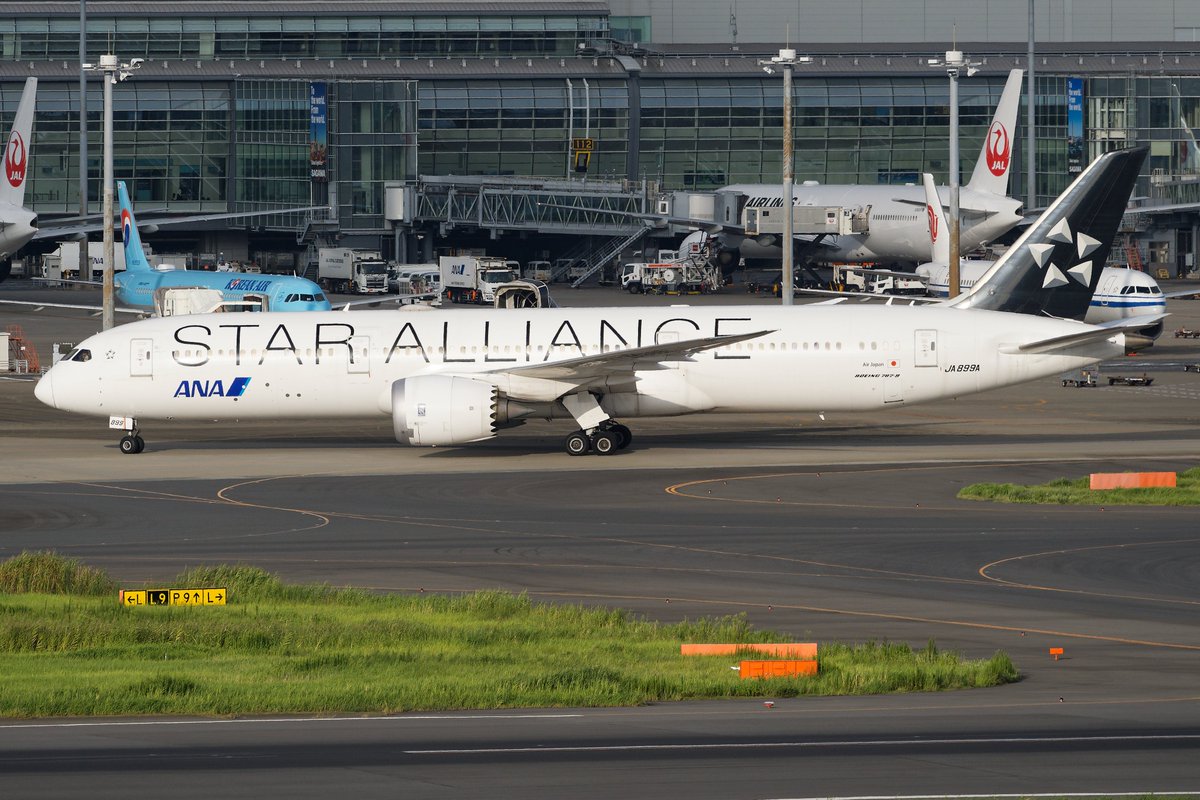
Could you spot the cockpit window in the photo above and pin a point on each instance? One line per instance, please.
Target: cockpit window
(80, 355)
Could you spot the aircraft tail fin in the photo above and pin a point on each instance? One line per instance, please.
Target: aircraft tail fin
(135, 256)
(1053, 269)
(939, 230)
(995, 162)
(16, 154)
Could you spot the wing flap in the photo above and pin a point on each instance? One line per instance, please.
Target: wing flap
(583, 369)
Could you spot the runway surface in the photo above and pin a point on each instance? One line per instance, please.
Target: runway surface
(839, 529)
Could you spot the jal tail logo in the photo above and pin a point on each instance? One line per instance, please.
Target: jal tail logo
(14, 160)
(933, 222)
(126, 225)
(999, 150)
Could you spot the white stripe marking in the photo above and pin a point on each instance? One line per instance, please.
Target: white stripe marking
(447, 718)
(806, 745)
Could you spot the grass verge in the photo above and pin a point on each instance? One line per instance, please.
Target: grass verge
(1075, 491)
(311, 649)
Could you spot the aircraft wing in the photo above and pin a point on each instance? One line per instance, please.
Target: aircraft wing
(887, 299)
(402, 299)
(37, 305)
(967, 211)
(619, 363)
(1182, 293)
(75, 228)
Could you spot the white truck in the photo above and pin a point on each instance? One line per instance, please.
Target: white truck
(473, 279)
(341, 269)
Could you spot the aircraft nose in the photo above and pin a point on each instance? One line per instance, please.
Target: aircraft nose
(44, 390)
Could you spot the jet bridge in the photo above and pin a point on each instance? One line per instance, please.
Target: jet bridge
(498, 204)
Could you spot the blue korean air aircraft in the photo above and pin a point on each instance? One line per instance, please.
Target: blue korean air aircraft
(136, 286)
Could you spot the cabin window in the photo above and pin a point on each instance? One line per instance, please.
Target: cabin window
(874, 345)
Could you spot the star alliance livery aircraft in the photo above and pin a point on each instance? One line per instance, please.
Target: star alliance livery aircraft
(454, 376)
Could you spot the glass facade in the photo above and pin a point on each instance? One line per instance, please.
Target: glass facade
(288, 36)
(170, 143)
(373, 140)
(521, 127)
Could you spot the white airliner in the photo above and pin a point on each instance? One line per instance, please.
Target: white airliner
(1121, 293)
(454, 376)
(17, 223)
(897, 227)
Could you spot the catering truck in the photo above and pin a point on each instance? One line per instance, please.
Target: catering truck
(473, 279)
(340, 269)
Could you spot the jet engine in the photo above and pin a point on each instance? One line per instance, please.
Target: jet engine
(443, 410)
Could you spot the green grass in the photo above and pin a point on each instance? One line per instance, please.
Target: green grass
(1068, 491)
(314, 649)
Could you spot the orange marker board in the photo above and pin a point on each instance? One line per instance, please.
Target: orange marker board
(776, 669)
(1131, 480)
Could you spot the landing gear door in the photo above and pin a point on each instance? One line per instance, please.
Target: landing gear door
(926, 354)
(141, 352)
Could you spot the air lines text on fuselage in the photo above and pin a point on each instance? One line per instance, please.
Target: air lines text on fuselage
(248, 285)
(444, 342)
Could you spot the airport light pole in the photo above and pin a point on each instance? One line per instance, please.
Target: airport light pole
(954, 63)
(113, 71)
(787, 59)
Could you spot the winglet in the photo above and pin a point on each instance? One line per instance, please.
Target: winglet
(939, 232)
(995, 158)
(135, 256)
(16, 154)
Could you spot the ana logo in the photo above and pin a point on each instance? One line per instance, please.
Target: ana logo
(14, 160)
(999, 150)
(126, 225)
(217, 388)
(933, 226)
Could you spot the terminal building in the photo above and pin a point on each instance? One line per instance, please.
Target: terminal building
(543, 130)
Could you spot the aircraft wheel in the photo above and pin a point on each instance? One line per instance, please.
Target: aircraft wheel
(605, 443)
(140, 443)
(577, 444)
(128, 445)
(623, 434)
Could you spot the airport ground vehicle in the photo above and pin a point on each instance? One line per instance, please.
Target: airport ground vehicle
(1186, 333)
(1136, 380)
(406, 275)
(473, 279)
(538, 271)
(1082, 379)
(341, 269)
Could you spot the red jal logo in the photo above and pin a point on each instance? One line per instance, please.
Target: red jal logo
(933, 222)
(14, 160)
(999, 150)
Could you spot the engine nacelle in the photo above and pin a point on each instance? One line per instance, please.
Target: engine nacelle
(443, 409)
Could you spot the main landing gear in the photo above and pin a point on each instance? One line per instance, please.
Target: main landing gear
(598, 433)
(602, 441)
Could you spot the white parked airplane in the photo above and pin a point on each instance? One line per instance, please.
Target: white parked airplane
(450, 377)
(897, 228)
(17, 223)
(1121, 293)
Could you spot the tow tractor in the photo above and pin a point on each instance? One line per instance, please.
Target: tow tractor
(1186, 333)
(1082, 379)
(1136, 380)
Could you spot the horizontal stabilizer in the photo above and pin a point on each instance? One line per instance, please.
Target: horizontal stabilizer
(1092, 333)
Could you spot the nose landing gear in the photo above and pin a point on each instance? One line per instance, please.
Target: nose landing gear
(131, 443)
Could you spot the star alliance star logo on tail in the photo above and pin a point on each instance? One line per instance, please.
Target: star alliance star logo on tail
(1084, 246)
